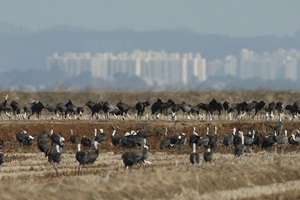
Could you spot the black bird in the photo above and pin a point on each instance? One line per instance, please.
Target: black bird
(165, 142)
(21, 137)
(85, 158)
(194, 156)
(268, 142)
(294, 140)
(86, 142)
(93, 138)
(73, 138)
(136, 157)
(101, 137)
(278, 128)
(92, 155)
(130, 140)
(228, 138)
(116, 140)
(182, 139)
(240, 148)
(1, 158)
(194, 138)
(203, 141)
(42, 142)
(80, 157)
(54, 155)
(173, 140)
(213, 140)
(56, 139)
(208, 155)
(236, 139)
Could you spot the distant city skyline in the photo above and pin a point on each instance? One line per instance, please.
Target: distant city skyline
(233, 18)
(158, 68)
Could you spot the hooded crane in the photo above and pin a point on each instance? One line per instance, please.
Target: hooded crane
(42, 142)
(208, 155)
(86, 142)
(73, 138)
(194, 138)
(56, 139)
(240, 148)
(54, 155)
(213, 139)
(93, 138)
(21, 137)
(282, 140)
(165, 142)
(278, 128)
(85, 158)
(203, 141)
(249, 140)
(101, 137)
(136, 157)
(194, 156)
(228, 139)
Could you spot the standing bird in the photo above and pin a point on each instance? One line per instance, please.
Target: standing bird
(1, 158)
(85, 158)
(56, 139)
(278, 128)
(228, 138)
(93, 138)
(213, 140)
(101, 137)
(165, 142)
(249, 140)
(194, 138)
(73, 138)
(86, 142)
(194, 156)
(240, 148)
(282, 140)
(80, 157)
(203, 141)
(42, 142)
(182, 139)
(136, 157)
(21, 137)
(208, 155)
(54, 156)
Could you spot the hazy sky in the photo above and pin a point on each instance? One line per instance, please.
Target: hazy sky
(229, 17)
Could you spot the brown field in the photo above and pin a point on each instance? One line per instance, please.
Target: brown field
(261, 175)
(271, 174)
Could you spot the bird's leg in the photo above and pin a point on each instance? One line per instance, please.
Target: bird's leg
(55, 166)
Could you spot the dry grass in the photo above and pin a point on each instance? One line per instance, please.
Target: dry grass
(171, 176)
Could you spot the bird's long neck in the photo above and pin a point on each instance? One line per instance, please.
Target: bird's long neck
(194, 147)
(242, 137)
(95, 132)
(113, 133)
(57, 149)
(78, 146)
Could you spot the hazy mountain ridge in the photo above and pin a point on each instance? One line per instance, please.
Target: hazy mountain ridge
(26, 53)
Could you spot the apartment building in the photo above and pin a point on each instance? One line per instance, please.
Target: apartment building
(155, 67)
